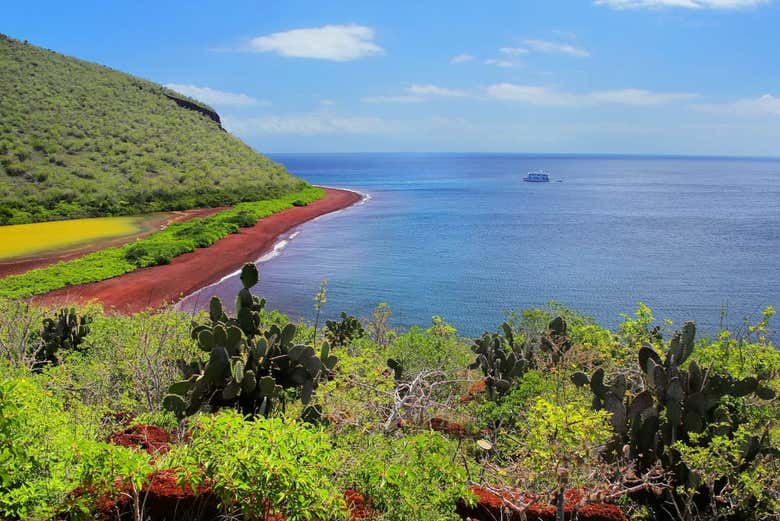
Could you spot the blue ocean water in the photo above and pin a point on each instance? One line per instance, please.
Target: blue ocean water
(462, 236)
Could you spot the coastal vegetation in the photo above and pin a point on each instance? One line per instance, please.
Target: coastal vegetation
(22, 240)
(249, 416)
(240, 413)
(81, 140)
(158, 248)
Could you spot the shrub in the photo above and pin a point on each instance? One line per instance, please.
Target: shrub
(46, 451)
(437, 347)
(263, 467)
(564, 436)
(510, 411)
(130, 363)
(418, 477)
(244, 219)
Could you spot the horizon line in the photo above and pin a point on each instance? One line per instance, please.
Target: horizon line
(561, 154)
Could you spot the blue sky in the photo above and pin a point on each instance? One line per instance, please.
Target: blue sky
(566, 76)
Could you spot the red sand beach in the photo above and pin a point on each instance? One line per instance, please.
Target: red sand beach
(159, 285)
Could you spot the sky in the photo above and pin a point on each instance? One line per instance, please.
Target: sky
(689, 77)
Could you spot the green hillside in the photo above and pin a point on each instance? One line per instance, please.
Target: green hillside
(79, 139)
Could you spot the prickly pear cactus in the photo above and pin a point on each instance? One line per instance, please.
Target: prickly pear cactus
(249, 367)
(555, 340)
(673, 404)
(341, 333)
(503, 360)
(66, 331)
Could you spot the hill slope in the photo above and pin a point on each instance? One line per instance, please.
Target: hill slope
(79, 139)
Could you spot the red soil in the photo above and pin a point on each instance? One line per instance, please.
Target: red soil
(163, 499)
(491, 506)
(150, 438)
(359, 506)
(16, 266)
(447, 427)
(152, 288)
(166, 496)
(475, 389)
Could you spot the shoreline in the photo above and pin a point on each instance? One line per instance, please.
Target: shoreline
(281, 241)
(158, 286)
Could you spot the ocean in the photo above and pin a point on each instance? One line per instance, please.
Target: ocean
(462, 236)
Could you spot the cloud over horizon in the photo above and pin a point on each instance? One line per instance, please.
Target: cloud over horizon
(766, 105)
(330, 42)
(216, 97)
(307, 124)
(548, 97)
(686, 4)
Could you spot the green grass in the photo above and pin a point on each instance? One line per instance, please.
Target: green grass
(158, 248)
(81, 140)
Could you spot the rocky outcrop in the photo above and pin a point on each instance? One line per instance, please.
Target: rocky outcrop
(191, 105)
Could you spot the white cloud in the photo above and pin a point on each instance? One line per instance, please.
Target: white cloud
(561, 48)
(315, 123)
(418, 93)
(500, 63)
(462, 58)
(766, 105)
(327, 102)
(403, 98)
(329, 42)
(638, 97)
(545, 96)
(513, 51)
(537, 95)
(530, 94)
(216, 97)
(686, 4)
(433, 90)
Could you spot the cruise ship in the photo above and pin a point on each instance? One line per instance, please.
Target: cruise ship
(537, 177)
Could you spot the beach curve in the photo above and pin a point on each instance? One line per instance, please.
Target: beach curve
(157, 286)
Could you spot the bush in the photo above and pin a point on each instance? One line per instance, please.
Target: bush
(510, 411)
(263, 467)
(130, 364)
(47, 451)
(437, 347)
(418, 477)
(244, 219)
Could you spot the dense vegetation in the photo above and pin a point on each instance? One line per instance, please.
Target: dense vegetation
(550, 406)
(81, 140)
(158, 248)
